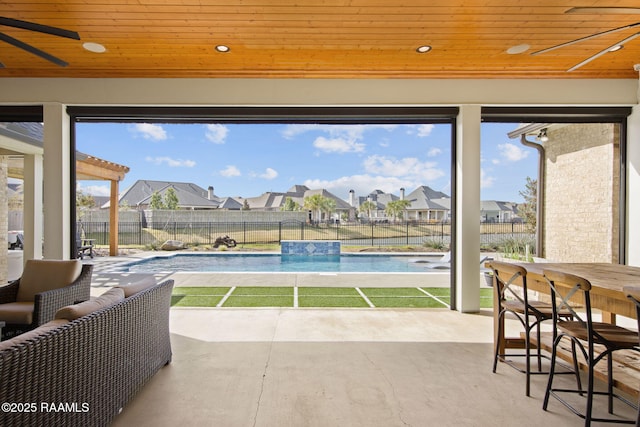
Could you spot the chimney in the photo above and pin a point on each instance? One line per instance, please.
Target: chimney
(352, 198)
(210, 193)
(402, 194)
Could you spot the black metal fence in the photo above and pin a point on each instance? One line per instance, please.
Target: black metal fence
(367, 234)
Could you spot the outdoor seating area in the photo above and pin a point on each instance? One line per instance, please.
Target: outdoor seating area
(94, 355)
(44, 288)
(602, 356)
(465, 176)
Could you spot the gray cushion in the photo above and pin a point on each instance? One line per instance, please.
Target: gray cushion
(41, 275)
(75, 311)
(140, 285)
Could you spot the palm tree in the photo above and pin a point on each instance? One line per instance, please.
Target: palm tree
(314, 204)
(396, 208)
(328, 206)
(367, 207)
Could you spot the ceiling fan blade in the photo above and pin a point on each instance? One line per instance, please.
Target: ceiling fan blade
(602, 52)
(592, 36)
(24, 46)
(46, 29)
(603, 10)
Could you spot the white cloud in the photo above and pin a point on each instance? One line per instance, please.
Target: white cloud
(216, 133)
(150, 131)
(408, 167)
(269, 174)
(486, 181)
(343, 131)
(337, 138)
(94, 190)
(230, 171)
(434, 152)
(512, 152)
(172, 163)
(362, 185)
(338, 145)
(421, 130)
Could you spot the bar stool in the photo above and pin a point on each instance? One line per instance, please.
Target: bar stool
(633, 293)
(585, 334)
(529, 313)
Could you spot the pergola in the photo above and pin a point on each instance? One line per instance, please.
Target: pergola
(93, 168)
(88, 168)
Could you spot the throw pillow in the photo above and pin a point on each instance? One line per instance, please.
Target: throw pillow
(73, 312)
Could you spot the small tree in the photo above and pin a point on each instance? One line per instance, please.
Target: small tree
(171, 199)
(156, 201)
(245, 205)
(367, 207)
(528, 209)
(328, 206)
(84, 201)
(315, 203)
(290, 205)
(395, 208)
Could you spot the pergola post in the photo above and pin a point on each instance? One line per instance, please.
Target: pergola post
(113, 219)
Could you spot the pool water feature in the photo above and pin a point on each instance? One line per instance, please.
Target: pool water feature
(244, 262)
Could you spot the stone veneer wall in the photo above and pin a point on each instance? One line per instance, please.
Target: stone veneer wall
(582, 193)
(4, 218)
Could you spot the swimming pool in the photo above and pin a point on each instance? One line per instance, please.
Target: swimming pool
(226, 262)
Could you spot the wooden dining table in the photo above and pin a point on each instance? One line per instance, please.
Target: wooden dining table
(607, 283)
(607, 295)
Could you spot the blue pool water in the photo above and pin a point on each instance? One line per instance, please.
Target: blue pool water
(278, 263)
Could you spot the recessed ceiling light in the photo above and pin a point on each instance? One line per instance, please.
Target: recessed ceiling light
(616, 48)
(423, 49)
(222, 48)
(94, 47)
(514, 50)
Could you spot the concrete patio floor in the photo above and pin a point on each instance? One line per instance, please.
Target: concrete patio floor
(236, 367)
(356, 367)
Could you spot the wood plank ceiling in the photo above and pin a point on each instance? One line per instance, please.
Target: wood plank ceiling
(321, 38)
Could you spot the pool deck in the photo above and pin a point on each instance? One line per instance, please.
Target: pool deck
(106, 275)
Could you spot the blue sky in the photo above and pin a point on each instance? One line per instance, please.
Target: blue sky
(250, 159)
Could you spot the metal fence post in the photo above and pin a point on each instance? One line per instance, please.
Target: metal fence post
(407, 228)
(372, 234)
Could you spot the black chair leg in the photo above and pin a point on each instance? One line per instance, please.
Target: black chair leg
(552, 370)
(498, 342)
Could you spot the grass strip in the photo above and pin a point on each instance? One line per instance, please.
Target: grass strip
(197, 290)
(438, 292)
(322, 291)
(332, 301)
(392, 292)
(406, 302)
(195, 300)
(259, 301)
(266, 291)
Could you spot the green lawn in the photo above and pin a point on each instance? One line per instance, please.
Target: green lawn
(283, 296)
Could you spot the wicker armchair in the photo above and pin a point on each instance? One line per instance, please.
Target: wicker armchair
(45, 287)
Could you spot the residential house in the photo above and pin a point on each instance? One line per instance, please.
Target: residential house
(428, 204)
(190, 196)
(497, 211)
(274, 201)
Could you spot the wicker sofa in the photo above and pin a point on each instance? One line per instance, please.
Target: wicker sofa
(82, 372)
